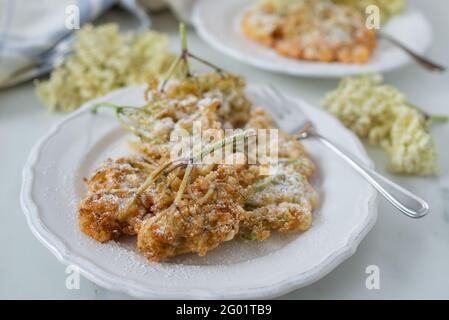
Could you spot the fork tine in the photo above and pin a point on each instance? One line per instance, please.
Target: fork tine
(281, 100)
(273, 93)
(274, 103)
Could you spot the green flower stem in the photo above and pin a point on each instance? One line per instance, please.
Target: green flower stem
(184, 182)
(204, 152)
(166, 167)
(95, 107)
(169, 166)
(184, 51)
(432, 118)
(183, 36)
(184, 59)
(208, 194)
(222, 143)
(170, 73)
(252, 236)
(119, 111)
(438, 118)
(117, 108)
(207, 63)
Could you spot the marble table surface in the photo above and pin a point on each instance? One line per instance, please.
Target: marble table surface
(412, 255)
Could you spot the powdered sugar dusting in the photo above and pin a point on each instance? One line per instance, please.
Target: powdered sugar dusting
(224, 272)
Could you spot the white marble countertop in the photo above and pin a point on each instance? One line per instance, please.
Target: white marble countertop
(412, 256)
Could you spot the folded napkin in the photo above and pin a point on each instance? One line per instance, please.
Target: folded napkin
(37, 35)
(181, 8)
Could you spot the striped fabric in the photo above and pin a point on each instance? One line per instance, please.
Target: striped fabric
(37, 35)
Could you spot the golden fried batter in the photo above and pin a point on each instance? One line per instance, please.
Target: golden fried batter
(283, 201)
(178, 207)
(310, 30)
(208, 215)
(110, 189)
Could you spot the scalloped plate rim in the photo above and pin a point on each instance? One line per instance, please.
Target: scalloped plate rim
(95, 274)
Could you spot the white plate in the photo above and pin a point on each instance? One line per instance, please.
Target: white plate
(217, 23)
(53, 186)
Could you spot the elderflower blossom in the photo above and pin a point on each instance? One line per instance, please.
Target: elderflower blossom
(104, 60)
(383, 116)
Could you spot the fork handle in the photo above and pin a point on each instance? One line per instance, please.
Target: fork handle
(405, 201)
(423, 61)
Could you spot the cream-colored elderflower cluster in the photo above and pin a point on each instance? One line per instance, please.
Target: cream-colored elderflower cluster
(382, 115)
(410, 145)
(104, 60)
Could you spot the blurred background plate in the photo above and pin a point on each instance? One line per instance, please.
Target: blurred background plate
(218, 23)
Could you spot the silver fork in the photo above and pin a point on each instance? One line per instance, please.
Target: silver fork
(293, 120)
(420, 59)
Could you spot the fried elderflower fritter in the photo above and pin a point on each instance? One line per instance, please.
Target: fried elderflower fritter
(208, 214)
(283, 201)
(180, 204)
(316, 30)
(110, 190)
